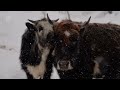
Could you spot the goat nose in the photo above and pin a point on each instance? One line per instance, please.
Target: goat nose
(63, 63)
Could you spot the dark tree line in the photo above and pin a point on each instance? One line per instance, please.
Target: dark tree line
(110, 12)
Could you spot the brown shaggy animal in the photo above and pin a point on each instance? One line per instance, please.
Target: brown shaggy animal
(66, 48)
(87, 50)
(100, 51)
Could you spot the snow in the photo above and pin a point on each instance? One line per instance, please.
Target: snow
(12, 26)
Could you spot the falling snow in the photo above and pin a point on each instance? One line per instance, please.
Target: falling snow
(12, 26)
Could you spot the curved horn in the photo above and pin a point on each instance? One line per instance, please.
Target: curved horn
(56, 20)
(50, 21)
(32, 21)
(88, 21)
(84, 25)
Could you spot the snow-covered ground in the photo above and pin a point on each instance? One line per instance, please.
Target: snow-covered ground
(12, 26)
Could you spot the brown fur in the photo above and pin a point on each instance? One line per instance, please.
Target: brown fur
(107, 26)
(106, 41)
(67, 25)
(66, 47)
(105, 37)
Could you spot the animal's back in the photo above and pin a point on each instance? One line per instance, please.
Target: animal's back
(103, 33)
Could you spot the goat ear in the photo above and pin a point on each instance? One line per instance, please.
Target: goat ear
(82, 31)
(30, 26)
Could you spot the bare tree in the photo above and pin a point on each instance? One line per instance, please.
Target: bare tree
(68, 15)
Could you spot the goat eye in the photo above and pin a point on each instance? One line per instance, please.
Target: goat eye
(40, 28)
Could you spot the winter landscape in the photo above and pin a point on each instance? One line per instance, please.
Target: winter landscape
(12, 26)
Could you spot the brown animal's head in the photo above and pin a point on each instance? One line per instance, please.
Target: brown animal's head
(67, 34)
(66, 44)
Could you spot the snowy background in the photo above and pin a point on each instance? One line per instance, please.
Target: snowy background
(12, 26)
